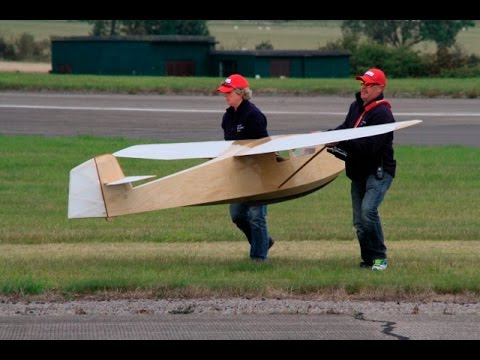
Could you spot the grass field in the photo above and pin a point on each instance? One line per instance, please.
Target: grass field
(43, 29)
(237, 34)
(429, 215)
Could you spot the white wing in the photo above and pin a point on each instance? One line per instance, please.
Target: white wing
(176, 151)
(213, 149)
(288, 142)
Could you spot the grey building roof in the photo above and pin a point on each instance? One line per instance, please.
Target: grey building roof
(290, 53)
(151, 38)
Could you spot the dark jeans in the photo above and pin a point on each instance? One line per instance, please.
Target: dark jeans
(251, 219)
(367, 196)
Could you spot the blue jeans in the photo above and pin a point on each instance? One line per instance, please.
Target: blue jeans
(367, 196)
(251, 219)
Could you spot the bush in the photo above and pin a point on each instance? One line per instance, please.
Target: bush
(396, 62)
(403, 62)
(462, 72)
(349, 41)
(264, 45)
(25, 48)
(25, 45)
(7, 50)
(451, 63)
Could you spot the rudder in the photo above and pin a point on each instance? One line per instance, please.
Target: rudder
(86, 188)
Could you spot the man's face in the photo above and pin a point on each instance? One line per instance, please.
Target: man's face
(370, 91)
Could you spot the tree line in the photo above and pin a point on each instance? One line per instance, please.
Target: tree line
(149, 27)
(396, 33)
(387, 44)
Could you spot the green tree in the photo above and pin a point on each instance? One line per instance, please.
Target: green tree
(406, 33)
(264, 45)
(25, 45)
(191, 27)
(104, 27)
(134, 27)
(149, 27)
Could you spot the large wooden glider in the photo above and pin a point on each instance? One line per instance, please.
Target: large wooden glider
(243, 170)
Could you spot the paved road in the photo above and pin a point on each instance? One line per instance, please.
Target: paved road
(197, 118)
(239, 327)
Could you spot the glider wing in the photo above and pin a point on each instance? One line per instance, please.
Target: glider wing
(214, 149)
(176, 151)
(288, 142)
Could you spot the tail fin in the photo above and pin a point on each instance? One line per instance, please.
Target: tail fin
(96, 183)
(85, 197)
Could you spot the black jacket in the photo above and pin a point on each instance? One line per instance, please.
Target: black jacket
(365, 155)
(248, 122)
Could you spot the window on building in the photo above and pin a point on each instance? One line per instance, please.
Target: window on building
(280, 68)
(180, 68)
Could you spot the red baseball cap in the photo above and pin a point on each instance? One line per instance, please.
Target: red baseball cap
(234, 81)
(373, 76)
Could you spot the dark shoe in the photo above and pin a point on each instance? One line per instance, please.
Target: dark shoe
(365, 265)
(270, 242)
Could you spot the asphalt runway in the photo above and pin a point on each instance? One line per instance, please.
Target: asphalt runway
(197, 118)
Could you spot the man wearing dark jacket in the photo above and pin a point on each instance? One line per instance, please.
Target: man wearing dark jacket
(243, 120)
(370, 165)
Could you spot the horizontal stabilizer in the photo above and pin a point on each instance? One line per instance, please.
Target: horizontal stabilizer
(129, 179)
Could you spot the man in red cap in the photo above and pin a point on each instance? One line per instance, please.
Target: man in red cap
(243, 120)
(370, 165)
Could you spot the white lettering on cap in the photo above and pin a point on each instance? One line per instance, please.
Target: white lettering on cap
(228, 81)
(369, 73)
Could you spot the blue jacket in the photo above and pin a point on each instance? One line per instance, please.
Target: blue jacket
(365, 155)
(248, 122)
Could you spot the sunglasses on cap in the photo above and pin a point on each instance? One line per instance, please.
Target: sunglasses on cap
(228, 85)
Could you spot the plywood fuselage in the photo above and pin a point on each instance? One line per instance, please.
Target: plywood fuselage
(226, 179)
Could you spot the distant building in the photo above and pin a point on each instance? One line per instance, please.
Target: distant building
(176, 55)
(281, 63)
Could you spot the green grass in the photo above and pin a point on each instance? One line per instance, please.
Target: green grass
(429, 215)
(295, 35)
(456, 88)
(300, 268)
